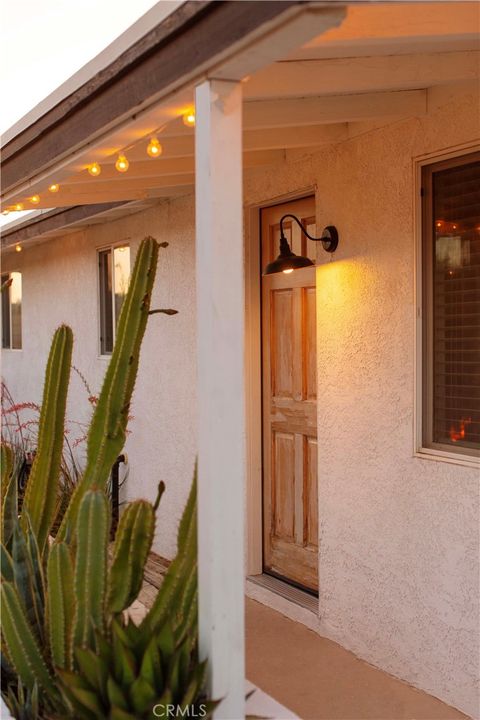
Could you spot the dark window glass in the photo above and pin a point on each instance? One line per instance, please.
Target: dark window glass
(452, 299)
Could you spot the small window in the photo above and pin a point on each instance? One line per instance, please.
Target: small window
(113, 275)
(451, 302)
(12, 311)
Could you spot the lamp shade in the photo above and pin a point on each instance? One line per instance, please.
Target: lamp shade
(286, 264)
(287, 260)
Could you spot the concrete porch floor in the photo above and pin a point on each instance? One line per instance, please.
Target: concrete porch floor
(319, 680)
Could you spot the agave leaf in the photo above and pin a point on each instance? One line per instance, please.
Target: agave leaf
(116, 695)
(142, 695)
(108, 427)
(22, 645)
(25, 583)
(196, 685)
(151, 667)
(94, 671)
(124, 662)
(118, 714)
(6, 563)
(41, 493)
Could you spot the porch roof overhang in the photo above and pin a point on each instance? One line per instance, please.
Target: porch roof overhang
(311, 72)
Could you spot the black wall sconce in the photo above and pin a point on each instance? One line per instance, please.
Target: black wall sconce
(287, 261)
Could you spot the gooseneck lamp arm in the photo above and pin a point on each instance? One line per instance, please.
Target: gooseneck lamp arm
(329, 237)
(287, 261)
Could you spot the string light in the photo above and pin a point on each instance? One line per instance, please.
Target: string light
(122, 164)
(94, 169)
(18, 248)
(154, 149)
(19, 207)
(54, 188)
(189, 118)
(35, 199)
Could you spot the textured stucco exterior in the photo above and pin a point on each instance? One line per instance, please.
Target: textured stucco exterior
(399, 534)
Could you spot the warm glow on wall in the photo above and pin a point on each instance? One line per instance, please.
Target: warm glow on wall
(154, 149)
(35, 199)
(122, 164)
(94, 169)
(189, 118)
(54, 188)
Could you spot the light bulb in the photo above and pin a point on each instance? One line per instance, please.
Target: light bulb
(18, 248)
(35, 199)
(122, 163)
(54, 188)
(5, 212)
(287, 272)
(189, 118)
(154, 149)
(19, 207)
(94, 169)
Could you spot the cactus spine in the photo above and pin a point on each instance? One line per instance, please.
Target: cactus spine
(107, 432)
(41, 493)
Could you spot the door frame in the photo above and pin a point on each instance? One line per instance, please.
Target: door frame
(253, 373)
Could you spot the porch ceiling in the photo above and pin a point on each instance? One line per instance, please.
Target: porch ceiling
(377, 64)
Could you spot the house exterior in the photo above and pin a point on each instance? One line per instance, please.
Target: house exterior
(336, 485)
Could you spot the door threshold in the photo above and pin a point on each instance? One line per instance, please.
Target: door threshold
(286, 591)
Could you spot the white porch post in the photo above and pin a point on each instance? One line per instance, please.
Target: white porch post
(220, 370)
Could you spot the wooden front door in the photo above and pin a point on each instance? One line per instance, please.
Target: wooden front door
(290, 512)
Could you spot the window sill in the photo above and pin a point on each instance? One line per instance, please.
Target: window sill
(453, 458)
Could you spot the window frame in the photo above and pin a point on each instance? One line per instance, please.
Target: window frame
(111, 247)
(9, 348)
(423, 316)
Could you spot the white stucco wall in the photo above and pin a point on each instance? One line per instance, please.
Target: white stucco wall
(399, 535)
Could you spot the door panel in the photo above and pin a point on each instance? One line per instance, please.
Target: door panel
(290, 494)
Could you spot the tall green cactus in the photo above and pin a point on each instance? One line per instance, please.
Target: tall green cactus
(107, 432)
(64, 628)
(41, 493)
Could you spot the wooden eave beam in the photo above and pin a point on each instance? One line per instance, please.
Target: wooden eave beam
(54, 220)
(362, 74)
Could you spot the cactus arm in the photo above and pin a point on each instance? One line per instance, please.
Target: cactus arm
(169, 596)
(41, 493)
(107, 432)
(23, 648)
(61, 604)
(132, 544)
(90, 567)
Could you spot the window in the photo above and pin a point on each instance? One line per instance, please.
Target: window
(451, 302)
(113, 275)
(12, 311)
